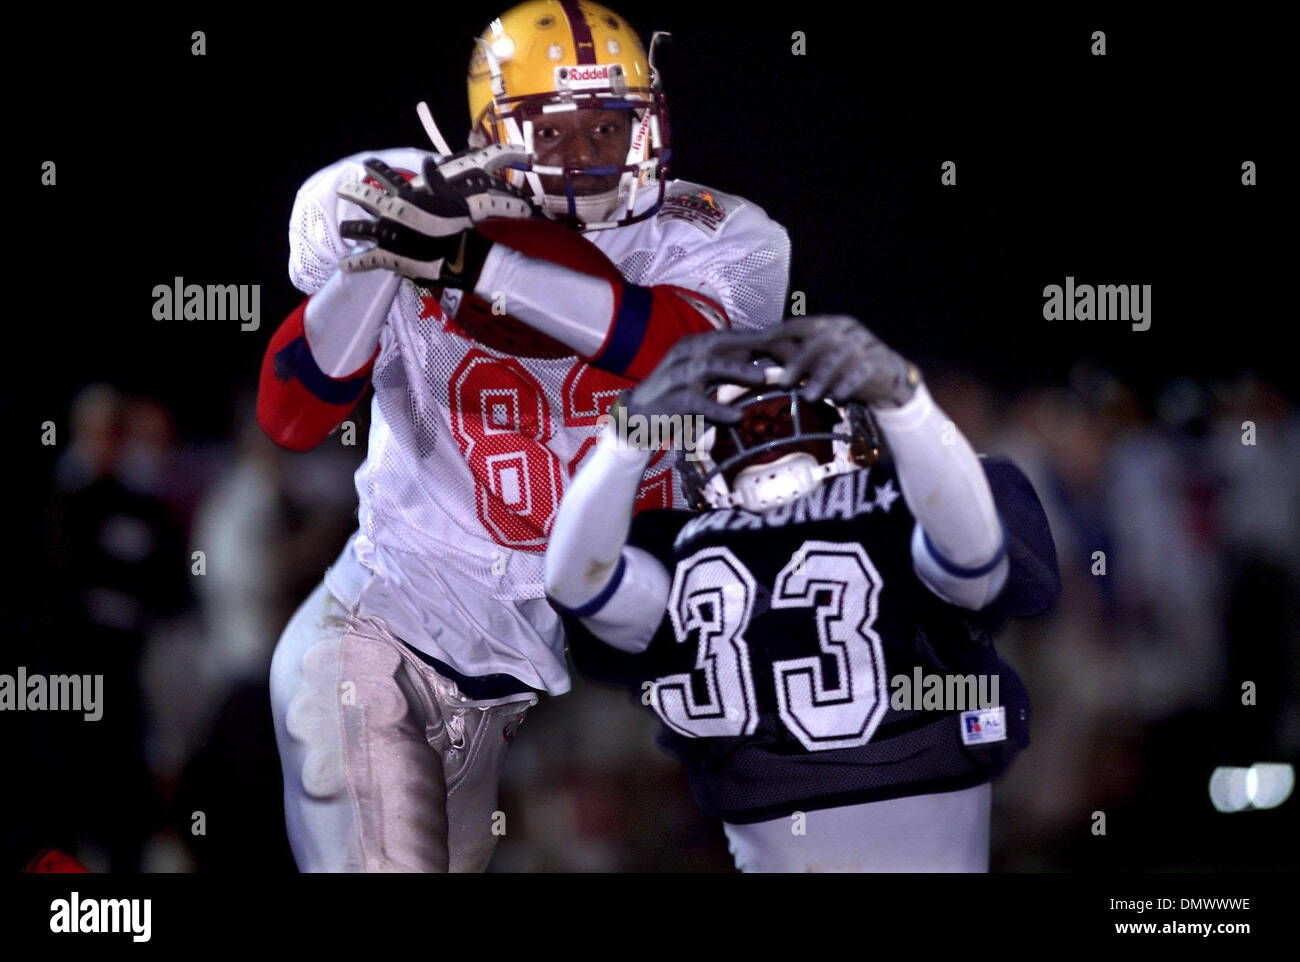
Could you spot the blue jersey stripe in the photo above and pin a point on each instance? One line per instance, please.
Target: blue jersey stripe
(956, 570)
(295, 360)
(598, 602)
(629, 329)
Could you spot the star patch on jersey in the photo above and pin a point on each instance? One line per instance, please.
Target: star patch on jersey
(886, 495)
(701, 207)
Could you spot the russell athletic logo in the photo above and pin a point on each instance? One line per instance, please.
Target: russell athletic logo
(982, 726)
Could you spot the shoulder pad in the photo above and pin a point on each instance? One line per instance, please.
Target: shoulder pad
(1035, 580)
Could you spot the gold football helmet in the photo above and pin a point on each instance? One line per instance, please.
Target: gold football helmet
(547, 56)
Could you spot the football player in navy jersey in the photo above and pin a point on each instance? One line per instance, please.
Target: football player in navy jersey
(818, 643)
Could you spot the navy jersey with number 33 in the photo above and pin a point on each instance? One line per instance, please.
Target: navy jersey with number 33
(771, 670)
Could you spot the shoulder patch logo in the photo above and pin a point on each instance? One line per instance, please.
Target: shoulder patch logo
(981, 726)
(700, 207)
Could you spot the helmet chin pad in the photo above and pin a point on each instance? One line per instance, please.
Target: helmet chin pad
(763, 486)
(781, 449)
(590, 208)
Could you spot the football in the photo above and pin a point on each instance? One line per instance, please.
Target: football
(501, 332)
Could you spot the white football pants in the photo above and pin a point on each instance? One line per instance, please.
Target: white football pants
(945, 832)
(387, 766)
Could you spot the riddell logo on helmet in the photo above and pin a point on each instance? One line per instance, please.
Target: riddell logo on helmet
(582, 77)
(642, 129)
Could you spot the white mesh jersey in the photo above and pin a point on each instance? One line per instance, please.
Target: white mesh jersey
(470, 448)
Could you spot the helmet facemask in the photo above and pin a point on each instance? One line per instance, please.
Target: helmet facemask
(783, 447)
(513, 119)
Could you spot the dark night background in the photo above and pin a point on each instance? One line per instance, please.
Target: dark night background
(1122, 169)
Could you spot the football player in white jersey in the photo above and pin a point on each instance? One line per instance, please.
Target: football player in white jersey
(498, 300)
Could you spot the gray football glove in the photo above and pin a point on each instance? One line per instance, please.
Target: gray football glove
(681, 382)
(841, 360)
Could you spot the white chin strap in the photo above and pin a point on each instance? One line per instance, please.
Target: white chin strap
(764, 486)
(591, 208)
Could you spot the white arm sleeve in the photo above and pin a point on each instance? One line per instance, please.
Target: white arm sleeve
(958, 546)
(620, 592)
(741, 264)
(628, 620)
(346, 311)
(574, 308)
(343, 318)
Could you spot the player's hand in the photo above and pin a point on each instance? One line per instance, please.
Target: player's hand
(472, 174)
(681, 382)
(426, 233)
(842, 360)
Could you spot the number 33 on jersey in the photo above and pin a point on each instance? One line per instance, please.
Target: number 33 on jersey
(771, 669)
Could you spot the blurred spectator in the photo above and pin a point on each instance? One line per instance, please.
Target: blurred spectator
(1254, 452)
(1136, 677)
(154, 462)
(267, 527)
(588, 790)
(117, 563)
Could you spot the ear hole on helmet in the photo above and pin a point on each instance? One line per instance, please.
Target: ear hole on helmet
(863, 453)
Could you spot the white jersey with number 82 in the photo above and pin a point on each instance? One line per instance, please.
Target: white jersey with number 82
(470, 448)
